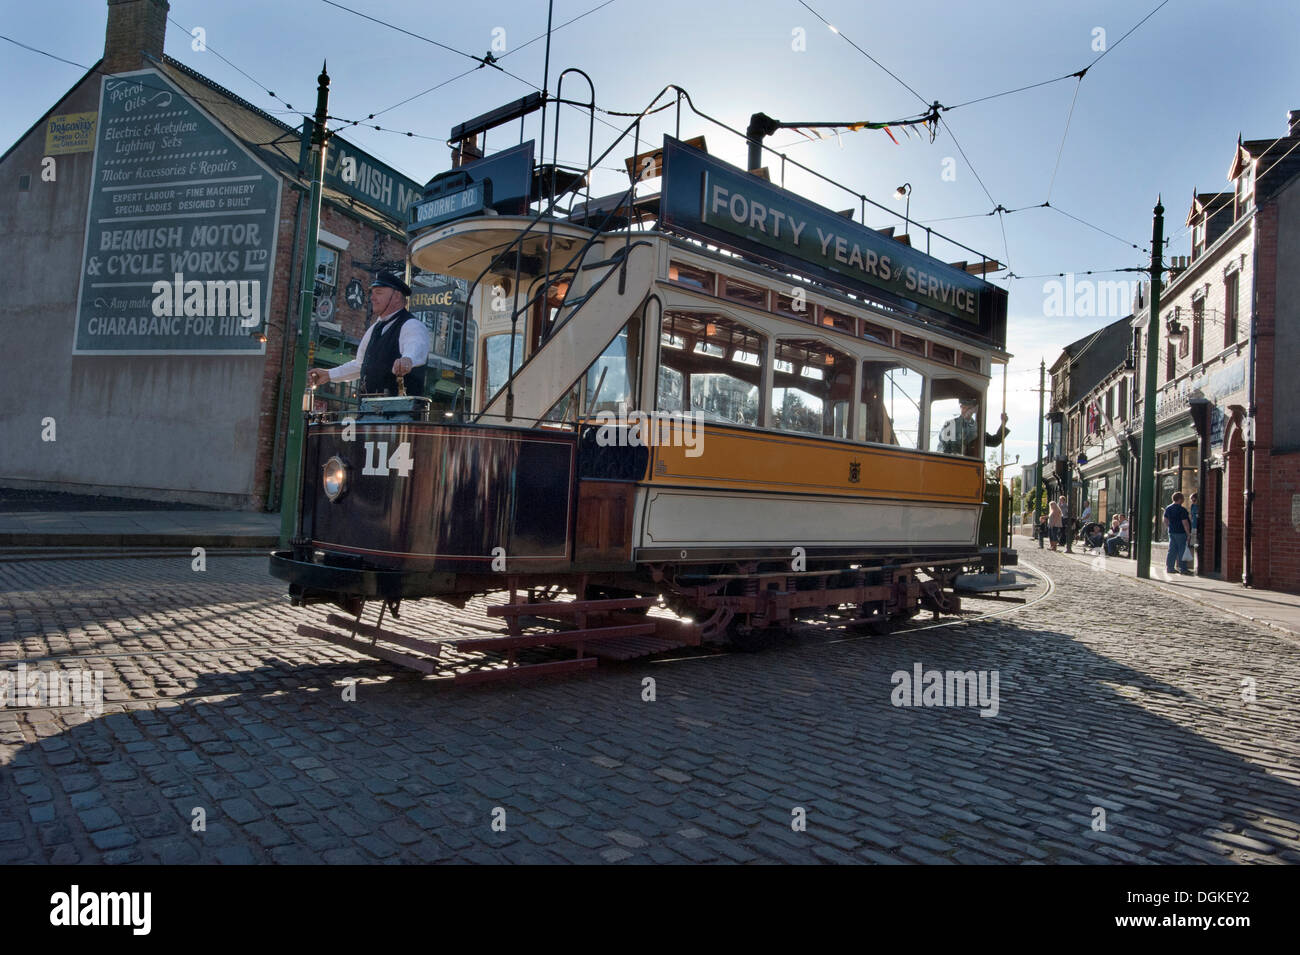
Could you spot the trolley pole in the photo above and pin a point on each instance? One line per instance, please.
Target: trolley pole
(292, 487)
(1146, 461)
(1038, 489)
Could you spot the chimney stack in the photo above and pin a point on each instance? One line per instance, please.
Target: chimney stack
(135, 27)
(1293, 122)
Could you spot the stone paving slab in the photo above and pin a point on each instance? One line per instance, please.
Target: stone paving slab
(1272, 608)
(1156, 732)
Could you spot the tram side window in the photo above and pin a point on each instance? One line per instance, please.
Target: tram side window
(812, 388)
(955, 420)
(496, 360)
(710, 364)
(891, 403)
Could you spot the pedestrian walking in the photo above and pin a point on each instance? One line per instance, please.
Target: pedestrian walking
(1179, 522)
(1054, 522)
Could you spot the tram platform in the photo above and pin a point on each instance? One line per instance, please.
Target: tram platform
(1275, 609)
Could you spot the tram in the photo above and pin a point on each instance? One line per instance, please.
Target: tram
(718, 396)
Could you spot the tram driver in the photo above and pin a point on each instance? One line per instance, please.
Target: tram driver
(961, 434)
(396, 344)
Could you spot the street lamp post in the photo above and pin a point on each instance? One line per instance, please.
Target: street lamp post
(905, 192)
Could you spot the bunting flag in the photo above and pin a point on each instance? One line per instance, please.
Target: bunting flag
(889, 134)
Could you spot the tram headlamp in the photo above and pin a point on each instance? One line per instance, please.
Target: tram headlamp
(335, 477)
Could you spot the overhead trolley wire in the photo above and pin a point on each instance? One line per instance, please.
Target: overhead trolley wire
(834, 29)
(211, 50)
(1060, 150)
(938, 107)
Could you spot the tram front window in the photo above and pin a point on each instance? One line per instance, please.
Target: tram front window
(496, 360)
(891, 402)
(612, 378)
(712, 365)
(811, 389)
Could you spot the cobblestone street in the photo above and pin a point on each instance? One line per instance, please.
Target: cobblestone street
(1114, 703)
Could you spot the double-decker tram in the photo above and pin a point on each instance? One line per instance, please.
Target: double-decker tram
(719, 396)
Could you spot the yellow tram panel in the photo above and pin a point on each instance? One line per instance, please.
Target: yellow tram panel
(718, 456)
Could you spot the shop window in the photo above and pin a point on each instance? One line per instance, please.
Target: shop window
(326, 290)
(710, 364)
(956, 425)
(812, 388)
(891, 403)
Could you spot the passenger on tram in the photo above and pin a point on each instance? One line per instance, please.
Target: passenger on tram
(961, 434)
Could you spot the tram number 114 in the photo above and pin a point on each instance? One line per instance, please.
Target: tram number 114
(377, 453)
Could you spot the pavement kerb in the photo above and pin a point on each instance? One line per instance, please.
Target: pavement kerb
(1293, 632)
(147, 539)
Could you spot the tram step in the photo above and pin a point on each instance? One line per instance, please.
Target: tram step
(369, 649)
(556, 639)
(570, 608)
(525, 671)
(411, 643)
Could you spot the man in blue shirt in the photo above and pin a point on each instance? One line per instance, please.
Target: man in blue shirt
(1179, 523)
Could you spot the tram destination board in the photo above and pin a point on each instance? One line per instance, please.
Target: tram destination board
(180, 232)
(467, 201)
(708, 199)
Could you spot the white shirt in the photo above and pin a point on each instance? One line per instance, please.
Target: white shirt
(414, 344)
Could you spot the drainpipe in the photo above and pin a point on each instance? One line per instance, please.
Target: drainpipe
(273, 488)
(1248, 570)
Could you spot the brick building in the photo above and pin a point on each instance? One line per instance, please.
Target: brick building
(146, 171)
(1229, 343)
(1087, 379)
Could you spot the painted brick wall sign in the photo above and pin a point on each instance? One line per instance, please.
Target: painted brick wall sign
(181, 229)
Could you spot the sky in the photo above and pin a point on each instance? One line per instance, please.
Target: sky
(1158, 114)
